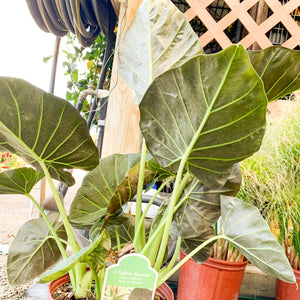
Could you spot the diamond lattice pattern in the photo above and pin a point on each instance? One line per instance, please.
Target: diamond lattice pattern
(258, 32)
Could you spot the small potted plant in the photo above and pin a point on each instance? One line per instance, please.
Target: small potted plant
(271, 183)
(199, 116)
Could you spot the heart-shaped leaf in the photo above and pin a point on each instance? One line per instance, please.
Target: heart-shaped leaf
(246, 229)
(200, 209)
(201, 206)
(147, 51)
(205, 115)
(106, 189)
(278, 70)
(125, 224)
(40, 127)
(19, 181)
(188, 245)
(33, 250)
(94, 255)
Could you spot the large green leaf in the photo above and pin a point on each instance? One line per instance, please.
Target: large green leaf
(201, 207)
(41, 127)
(106, 189)
(158, 38)
(94, 255)
(123, 225)
(279, 70)
(19, 181)
(33, 250)
(243, 224)
(200, 210)
(209, 112)
(188, 245)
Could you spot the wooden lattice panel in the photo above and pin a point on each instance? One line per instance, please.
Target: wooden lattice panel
(256, 30)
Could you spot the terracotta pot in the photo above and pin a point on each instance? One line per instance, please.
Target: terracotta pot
(214, 279)
(164, 291)
(288, 291)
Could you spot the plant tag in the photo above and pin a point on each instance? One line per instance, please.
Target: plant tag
(132, 278)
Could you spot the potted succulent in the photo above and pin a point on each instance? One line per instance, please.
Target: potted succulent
(200, 115)
(272, 184)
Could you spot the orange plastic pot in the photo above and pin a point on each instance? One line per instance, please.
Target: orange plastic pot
(288, 291)
(214, 279)
(164, 291)
(55, 284)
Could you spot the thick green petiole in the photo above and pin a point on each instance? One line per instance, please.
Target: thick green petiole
(139, 243)
(142, 219)
(49, 225)
(80, 269)
(178, 188)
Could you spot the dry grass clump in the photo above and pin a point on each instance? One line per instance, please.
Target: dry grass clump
(271, 181)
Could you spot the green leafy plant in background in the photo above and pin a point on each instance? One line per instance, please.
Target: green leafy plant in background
(272, 183)
(199, 116)
(83, 67)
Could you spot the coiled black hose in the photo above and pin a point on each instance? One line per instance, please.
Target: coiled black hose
(85, 18)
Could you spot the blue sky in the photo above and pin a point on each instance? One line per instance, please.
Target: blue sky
(23, 45)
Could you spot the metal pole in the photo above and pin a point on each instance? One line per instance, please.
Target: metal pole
(51, 90)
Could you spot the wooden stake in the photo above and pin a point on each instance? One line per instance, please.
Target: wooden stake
(122, 134)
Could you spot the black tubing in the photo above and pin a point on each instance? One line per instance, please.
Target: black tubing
(107, 55)
(55, 28)
(85, 18)
(36, 15)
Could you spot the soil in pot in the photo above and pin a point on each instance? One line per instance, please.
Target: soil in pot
(288, 291)
(61, 289)
(214, 279)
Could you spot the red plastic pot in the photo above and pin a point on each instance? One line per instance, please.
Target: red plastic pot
(55, 284)
(288, 291)
(164, 291)
(213, 280)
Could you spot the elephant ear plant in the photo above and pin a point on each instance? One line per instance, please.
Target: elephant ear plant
(200, 116)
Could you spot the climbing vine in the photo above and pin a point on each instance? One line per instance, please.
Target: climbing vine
(83, 67)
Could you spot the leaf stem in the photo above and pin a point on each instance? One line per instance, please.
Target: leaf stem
(55, 235)
(178, 188)
(165, 270)
(50, 226)
(139, 243)
(97, 283)
(79, 268)
(154, 241)
(75, 247)
(118, 237)
(142, 219)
